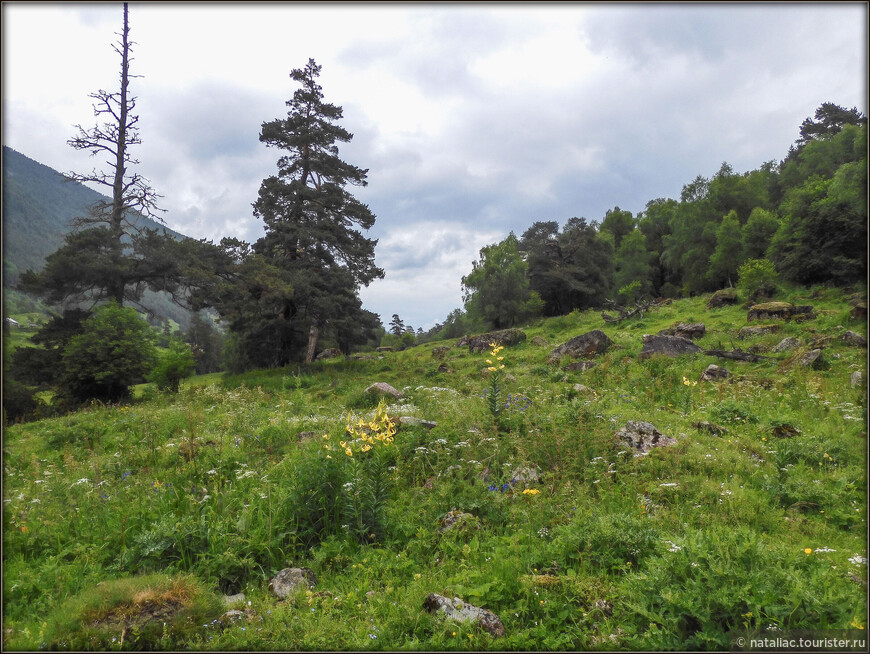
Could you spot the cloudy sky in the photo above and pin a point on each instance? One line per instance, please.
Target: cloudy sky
(474, 120)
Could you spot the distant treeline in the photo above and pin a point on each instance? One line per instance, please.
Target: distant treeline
(806, 214)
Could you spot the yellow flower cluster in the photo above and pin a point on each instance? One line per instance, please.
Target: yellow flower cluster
(531, 491)
(495, 365)
(689, 383)
(364, 435)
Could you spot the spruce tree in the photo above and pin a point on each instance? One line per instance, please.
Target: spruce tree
(312, 222)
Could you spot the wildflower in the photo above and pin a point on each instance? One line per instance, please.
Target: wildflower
(808, 550)
(531, 491)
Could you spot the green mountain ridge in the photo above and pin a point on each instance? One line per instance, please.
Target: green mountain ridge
(39, 204)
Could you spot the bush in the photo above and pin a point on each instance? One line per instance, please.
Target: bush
(114, 351)
(757, 278)
(176, 364)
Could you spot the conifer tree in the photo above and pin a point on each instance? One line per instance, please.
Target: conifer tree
(312, 221)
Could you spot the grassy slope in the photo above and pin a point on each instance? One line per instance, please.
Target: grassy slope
(673, 550)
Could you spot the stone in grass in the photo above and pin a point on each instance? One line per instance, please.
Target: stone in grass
(692, 331)
(458, 610)
(229, 600)
(643, 436)
(786, 344)
(457, 520)
(811, 359)
(440, 352)
(383, 389)
(856, 378)
(235, 615)
(854, 338)
(722, 298)
(525, 475)
(585, 345)
(714, 373)
(329, 353)
(286, 582)
(759, 330)
(669, 346)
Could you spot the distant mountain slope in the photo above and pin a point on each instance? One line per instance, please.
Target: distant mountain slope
(38, 205)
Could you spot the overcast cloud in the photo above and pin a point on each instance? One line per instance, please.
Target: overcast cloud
(473, 120)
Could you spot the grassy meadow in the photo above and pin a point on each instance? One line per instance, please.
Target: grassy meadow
(124, 526)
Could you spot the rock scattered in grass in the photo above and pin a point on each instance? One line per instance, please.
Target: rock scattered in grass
(286, 582)
(458, 610)
(585, 345)
(457, 520)
(669, 346)
(643, 436)
(787, 344)
(854, 338)
(714, 373)
(383, 389)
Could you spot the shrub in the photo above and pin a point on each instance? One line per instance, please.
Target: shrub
(114, 351)
(175, 364)
(757, 278)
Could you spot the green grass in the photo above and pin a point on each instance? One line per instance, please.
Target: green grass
(679, 549)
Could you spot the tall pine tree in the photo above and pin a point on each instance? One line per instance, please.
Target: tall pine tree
(312, 221)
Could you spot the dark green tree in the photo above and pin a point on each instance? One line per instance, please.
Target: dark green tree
(757, 233)
(726, 257)
(829, 120)
(497, 289)
(206, 342)
(619, 223)
(569, 270)
(632, 264)
(312, 221)
(397, 325)
(654, 223)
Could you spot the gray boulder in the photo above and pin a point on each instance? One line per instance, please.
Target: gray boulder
(854, 338)
(456, 609)
(329, 353)
(811, 359)
(585, 345)
(714, 373)
(483, 342)
(857, 378)
(456, 519)
(692, 331)
(669, 346)
(758, 330)
(642, 436)
(286, 582)
(778, 310)
(722, 298)
(787, 344)
(383, 389)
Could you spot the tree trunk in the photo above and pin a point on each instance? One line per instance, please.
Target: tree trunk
(313, 333)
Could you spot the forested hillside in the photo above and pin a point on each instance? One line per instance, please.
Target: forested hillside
(803, 220)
